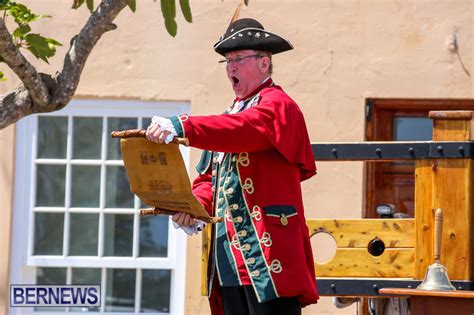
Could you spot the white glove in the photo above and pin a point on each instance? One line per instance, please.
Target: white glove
(165, 124)
(192, 229)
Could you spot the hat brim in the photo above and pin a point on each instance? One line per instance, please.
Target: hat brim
(253, 39)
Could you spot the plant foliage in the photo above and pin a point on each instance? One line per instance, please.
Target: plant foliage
(44, 48)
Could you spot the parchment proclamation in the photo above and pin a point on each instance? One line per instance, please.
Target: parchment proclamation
(158, 177)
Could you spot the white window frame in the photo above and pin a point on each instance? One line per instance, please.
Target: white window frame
(24, 263)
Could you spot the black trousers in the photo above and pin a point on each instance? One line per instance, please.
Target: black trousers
(241, 300)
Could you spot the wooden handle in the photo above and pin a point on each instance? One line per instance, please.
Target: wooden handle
(157, 211)
(130, 133)
(141, 133)
(438, 231)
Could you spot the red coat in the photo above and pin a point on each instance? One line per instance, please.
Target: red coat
(257, 189)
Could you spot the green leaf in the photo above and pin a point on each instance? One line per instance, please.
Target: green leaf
(41, 47)
(171, 27)
(168, 9)
(133, 5)
(186, 10)
(19, 32)
(77, 3)
(21, 14)
(4, 4)
(90, 5)
(2, 76)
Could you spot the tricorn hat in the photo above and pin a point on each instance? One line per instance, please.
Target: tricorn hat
(249, 34)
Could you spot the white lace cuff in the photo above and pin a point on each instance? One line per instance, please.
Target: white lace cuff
(167, 125)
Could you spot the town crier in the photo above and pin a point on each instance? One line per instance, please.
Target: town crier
(255, 156)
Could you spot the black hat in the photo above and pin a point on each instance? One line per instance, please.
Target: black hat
(249, 34)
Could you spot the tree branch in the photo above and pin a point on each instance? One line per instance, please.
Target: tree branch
(22, 68)
(81, 46)
(40, 92)
(15, 105)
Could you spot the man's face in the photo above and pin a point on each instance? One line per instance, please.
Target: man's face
(246, 74)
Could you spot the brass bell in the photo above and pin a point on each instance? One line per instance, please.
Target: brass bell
(436, 278)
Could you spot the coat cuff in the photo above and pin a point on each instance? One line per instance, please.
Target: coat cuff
(177, 122)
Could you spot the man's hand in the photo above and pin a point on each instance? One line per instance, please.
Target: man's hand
(155, 134)
(183, 219)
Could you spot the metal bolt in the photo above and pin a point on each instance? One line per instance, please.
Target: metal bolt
(411, 151)
(461, 150)
(334, 152)
(378, 151)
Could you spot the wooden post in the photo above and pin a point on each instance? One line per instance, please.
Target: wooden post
(446, 184)
(206, 248)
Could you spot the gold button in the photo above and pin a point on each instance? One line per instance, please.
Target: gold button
(255, 273)
(251, 260)
(238, 219)
(283, 219)
(230, 191)
(214, 173)
(246, 247)
(243, 233)
(235, 206)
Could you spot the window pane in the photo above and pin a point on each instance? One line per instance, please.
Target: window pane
(156, 288)
(412, 129)
(50, 183)
(85, 276)
(50, 276)
(113, 149)
(120, 291)
(153, 236)
(146, 122)
(52, 137)
(118, 194)
(49, 229)
(87, 137)
(118, 234)
(85, 186)
(84, 234)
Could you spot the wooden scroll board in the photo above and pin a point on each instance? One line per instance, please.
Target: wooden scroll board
(158, 176)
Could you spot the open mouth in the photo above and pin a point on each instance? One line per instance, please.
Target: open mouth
(235, 80)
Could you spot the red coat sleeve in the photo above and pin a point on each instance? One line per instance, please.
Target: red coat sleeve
(202, 190)
(276, 122)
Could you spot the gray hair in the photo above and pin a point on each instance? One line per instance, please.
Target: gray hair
(266, 54)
